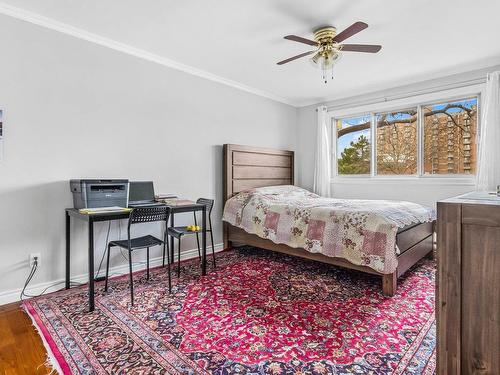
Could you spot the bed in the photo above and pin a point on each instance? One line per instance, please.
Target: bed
(252, 173)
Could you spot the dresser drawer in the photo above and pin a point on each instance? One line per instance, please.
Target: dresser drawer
(480, 214)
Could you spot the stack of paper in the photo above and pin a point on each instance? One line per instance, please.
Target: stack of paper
(100, 210)
(165, 196)
(177, 202)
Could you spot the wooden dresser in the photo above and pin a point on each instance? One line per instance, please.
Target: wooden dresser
(468, 285)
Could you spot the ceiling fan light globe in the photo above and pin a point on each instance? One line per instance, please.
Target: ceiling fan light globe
(315, 60)
(325, 61)
(335, 58)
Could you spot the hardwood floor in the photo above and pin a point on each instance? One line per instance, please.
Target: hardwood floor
(21, 348)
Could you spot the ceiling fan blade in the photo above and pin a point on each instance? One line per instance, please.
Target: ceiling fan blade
(299, 39)
(295, 57)
(350, 31)
(370, 48)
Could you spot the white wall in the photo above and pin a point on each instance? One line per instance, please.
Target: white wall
(424, 191)
(74, 109)
(306, 145)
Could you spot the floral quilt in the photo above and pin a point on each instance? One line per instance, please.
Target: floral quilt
(360, 231)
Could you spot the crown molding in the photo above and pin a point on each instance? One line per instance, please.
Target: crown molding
(353, 101)
(64, 28)
(473, 75)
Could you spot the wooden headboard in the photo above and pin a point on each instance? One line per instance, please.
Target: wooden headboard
(247, 167)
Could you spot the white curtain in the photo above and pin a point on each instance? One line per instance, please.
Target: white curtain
(488, 174)
(322, 166)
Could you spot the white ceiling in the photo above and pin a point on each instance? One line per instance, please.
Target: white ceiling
(241, 40)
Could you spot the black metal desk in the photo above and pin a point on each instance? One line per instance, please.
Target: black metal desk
(107, 216)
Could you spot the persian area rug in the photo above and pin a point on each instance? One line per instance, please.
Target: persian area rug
(257, 313)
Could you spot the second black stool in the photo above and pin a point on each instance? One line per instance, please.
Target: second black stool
(178, 232)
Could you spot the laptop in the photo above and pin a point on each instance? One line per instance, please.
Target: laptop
(141, 194)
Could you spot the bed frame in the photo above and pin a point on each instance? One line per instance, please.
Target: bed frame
(248, 167)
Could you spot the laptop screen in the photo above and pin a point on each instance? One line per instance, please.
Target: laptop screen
(141, 191)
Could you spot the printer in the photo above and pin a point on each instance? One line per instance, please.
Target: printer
(99, 193)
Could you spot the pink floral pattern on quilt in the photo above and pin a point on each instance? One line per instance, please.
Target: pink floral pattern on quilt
(360, 231)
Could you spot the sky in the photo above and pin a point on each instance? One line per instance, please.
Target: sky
(468, 103)
(346, 140)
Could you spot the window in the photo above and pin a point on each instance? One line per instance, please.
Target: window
(450, 137)
(397, 142)
(353, 145)
(430, 139)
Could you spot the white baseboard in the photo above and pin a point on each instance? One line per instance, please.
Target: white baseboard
(13, 295)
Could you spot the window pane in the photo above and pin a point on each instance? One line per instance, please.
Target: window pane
(353, 145)
(450, 137)
(397, 142)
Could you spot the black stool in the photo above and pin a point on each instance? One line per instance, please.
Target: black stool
(178, 232)
(142, 215)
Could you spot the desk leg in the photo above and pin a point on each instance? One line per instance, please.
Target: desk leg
(68, 222)
(91, 265)
(204, 243)
(172, 223)
(165, 239)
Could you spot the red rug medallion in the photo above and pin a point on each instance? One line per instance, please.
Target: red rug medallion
(256, 313)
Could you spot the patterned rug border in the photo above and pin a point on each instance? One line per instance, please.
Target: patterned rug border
(55, 359)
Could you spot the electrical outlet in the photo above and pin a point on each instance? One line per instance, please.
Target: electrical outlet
(32, 259)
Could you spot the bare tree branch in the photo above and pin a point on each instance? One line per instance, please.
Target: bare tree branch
(383, 122)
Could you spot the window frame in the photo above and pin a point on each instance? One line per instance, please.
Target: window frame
(333, 140)
(413, 101)
(374, 131)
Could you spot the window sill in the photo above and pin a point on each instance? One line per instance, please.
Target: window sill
(418, 180)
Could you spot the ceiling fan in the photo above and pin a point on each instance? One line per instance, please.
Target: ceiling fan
(328, 46)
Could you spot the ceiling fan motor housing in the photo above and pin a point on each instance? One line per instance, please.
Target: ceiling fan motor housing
(325, 35)
(327, 47)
